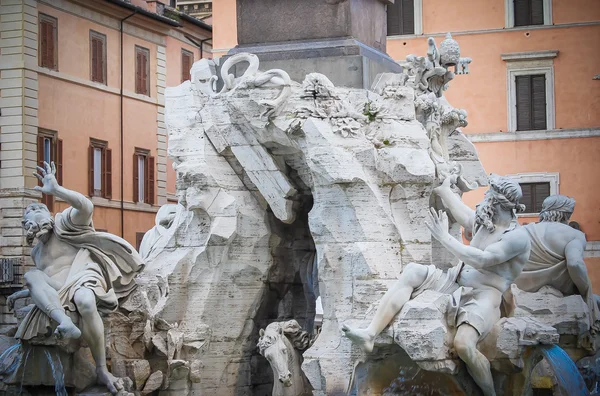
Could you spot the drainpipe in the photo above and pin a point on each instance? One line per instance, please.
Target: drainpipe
(199, 45)
(122, 139)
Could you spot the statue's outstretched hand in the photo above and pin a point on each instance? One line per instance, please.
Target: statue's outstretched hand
(47, 176)
(10, 300)
(448, 182)
(438, 224)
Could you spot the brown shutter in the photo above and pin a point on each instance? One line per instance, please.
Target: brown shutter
(408, 16)
(538, 102)
(393, 18)
(523, 91)
(522, 12)
(59, 161)
(43, 48)
(101, 63)
(93, 51)
(40, 154)
(51, 55)
(145, 73)
(185, 67)
(135, 178)
(138, 71)
(527, 199)
(537, 12)
(107, 180)
(91, 171)
(542, 191)
(150, 178)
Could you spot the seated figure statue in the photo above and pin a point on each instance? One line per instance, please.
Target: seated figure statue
(556, 257)
(77, 270)
(498, 251)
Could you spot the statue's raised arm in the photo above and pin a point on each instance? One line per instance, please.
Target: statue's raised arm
(82, 211)
(464, 215)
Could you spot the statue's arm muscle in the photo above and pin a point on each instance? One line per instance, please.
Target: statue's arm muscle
(464, 215)
(83, 208)
(497, 253)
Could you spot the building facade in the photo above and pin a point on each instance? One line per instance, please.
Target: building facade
(82, 85)
(532, 93)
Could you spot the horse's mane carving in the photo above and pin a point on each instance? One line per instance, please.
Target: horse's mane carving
(300, 339)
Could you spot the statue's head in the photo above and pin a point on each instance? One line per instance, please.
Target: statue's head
(504, 194)
(204, 76)
(558, 208)
(37, 222)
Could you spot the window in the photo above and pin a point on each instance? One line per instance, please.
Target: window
(139, 236)
(48, 40)
(187, 59)
(527, 12)
(531, 102)
(530, 90)
(50, 149)
(143, 176)
(99, 169)
(534, 195)
(142, 70)
(97, 57)
(401, 17)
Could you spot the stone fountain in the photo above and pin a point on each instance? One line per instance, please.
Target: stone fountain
(292, 190)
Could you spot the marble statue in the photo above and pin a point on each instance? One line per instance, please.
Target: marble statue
(499, 250)
(282, 344)
(154, 238)
(557, 255)
(78, 270)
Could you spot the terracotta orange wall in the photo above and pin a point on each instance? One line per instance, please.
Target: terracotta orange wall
(575, 159)
(440, 16)
(224, 26)
(569, 11)
(486, 84)
(174, 48)
(78, 113)
(593, 265)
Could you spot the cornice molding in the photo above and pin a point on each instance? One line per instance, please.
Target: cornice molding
(533, 135)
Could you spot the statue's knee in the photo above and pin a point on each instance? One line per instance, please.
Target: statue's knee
(463, 349)
(414, 272)
(85, 300)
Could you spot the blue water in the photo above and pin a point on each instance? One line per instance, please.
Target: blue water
(23, 367)
(6, 357)
(57, 373)
(569, 380)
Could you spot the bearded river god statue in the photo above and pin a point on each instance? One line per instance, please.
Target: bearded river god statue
(79, 273)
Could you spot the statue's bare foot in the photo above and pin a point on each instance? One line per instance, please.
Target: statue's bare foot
(360, 337)
(114, 384)
(67, 330)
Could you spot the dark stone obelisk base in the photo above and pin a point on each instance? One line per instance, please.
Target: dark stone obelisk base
(342, 39)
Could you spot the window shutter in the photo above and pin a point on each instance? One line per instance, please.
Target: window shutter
(523, 90)
(135, 178)
(537, 12)
(538, 102)
(101, 63)
(522, 12)
(393, 18)
(93, 60)
(59, 161)
(150, 190)
(91, 171)
(408, 16)
(527, 199)
(185, 66)
(542, 191)
(107, 182)
(50, 52)
(145, 74)
(138, 71)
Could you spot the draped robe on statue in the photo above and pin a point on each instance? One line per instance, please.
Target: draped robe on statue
(105, 264)
(549, 268)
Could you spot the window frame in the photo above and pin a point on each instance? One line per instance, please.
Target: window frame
(509, 15)
(105, 169)
(56, 155)
(149, 176)
(146, 52)
(54, 21)
(418, 21)
(102, 37)
(526, 68)
(538, 177)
